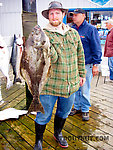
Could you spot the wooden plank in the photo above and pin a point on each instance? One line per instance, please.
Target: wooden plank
(25, 128)
(105, 114)
(92, 128)
(11, 98)
(4, 144)
(48, 135)
(105, 110)
(5, 93)
(101, 118)
(29, 122)
(74, 143)
(103, 93)
(102, 107)
(106, 87)
(13, 137)
(101, 99)
(75, 130)
(105, 127)
(90, 132)
(2, 85)
(23, 131)
(21, 104)
(14, 102)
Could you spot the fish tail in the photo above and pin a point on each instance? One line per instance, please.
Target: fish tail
(35, 106)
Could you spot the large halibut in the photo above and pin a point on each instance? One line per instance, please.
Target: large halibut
(35, 65)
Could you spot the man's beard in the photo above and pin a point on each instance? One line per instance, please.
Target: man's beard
(55, 23)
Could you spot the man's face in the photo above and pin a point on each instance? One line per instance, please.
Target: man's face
(78, 18)
(56, 17)
(108, 26)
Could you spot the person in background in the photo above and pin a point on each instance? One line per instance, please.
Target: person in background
(108, 49)
(68, 73)
(92, 50)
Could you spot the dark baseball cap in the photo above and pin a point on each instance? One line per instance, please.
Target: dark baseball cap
(79, 10)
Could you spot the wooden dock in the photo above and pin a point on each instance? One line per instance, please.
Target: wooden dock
(97, 133)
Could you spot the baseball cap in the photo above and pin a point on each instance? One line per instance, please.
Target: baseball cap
(79, 10)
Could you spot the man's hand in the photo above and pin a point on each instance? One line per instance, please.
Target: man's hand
(82, 81)
(95, 70)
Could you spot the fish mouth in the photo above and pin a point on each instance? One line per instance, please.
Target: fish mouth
(43, 42)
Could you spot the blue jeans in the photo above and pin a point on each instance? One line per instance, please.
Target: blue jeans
(82, 96)
(64, 106)
(110, 64)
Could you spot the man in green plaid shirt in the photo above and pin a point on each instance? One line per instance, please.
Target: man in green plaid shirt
(66, 76)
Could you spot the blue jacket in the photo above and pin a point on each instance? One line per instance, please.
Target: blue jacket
(91, 42)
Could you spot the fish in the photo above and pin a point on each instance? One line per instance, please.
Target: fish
(5, 61)
(35, 65)
(16, 55)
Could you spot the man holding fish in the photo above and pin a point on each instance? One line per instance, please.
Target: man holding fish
(66, 75)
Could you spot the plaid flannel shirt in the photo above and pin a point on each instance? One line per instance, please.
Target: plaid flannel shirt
(67, 63)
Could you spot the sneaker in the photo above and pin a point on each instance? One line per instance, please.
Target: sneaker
(74, 111)
(85, 116)
(109, 80)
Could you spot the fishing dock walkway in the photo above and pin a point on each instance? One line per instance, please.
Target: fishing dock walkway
(95, 134)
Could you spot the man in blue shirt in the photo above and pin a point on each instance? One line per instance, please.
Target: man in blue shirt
(92, 50)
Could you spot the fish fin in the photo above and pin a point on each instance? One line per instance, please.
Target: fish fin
(35, 106)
